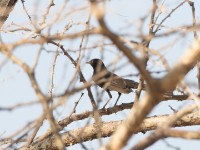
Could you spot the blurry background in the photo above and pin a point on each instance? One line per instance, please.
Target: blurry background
(129, 19)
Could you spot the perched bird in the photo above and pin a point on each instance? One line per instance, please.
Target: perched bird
(110, 81)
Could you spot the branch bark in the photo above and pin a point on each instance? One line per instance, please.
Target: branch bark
(91, 132)
(6, 6)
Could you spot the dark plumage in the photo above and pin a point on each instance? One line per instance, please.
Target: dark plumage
(110, 81)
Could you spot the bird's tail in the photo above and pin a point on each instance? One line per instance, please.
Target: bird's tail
(134, 85)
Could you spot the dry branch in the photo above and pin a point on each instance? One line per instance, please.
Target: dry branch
(90, 132)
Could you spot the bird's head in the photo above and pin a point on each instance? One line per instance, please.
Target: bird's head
(97, 64)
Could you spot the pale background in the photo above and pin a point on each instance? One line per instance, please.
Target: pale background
(15, 86)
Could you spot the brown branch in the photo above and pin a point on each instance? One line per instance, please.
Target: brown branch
(75, 117)
(90, 132)
(6, 6)
(145, 105)
(195, 36)
(82, 78)
(182, 67)
(45, 38)
(159, 133)
(47, 12)
(144, 52)
(13, 107)
(172, 11)
(42, 98)
(182, 134)
(23, 1)
(99, 12)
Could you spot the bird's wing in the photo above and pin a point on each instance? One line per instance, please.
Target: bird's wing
(118, 82)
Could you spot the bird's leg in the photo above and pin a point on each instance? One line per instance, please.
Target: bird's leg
(117, 98)
(109, 98)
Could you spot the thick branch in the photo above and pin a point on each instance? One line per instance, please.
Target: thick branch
(6, 6)
(90, 132)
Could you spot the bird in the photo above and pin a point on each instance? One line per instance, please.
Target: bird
(110, 81)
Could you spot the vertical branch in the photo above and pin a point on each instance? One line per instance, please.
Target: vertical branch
(52, 74)
(47, 12)
(193, 17)
(54, 64)
(80, 73)
(195, 36)
(23, 1)
(146, 43)
(151, 25)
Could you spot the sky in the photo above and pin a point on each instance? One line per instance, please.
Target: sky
(122, 17)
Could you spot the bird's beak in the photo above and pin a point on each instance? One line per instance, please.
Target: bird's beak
(88, 62)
